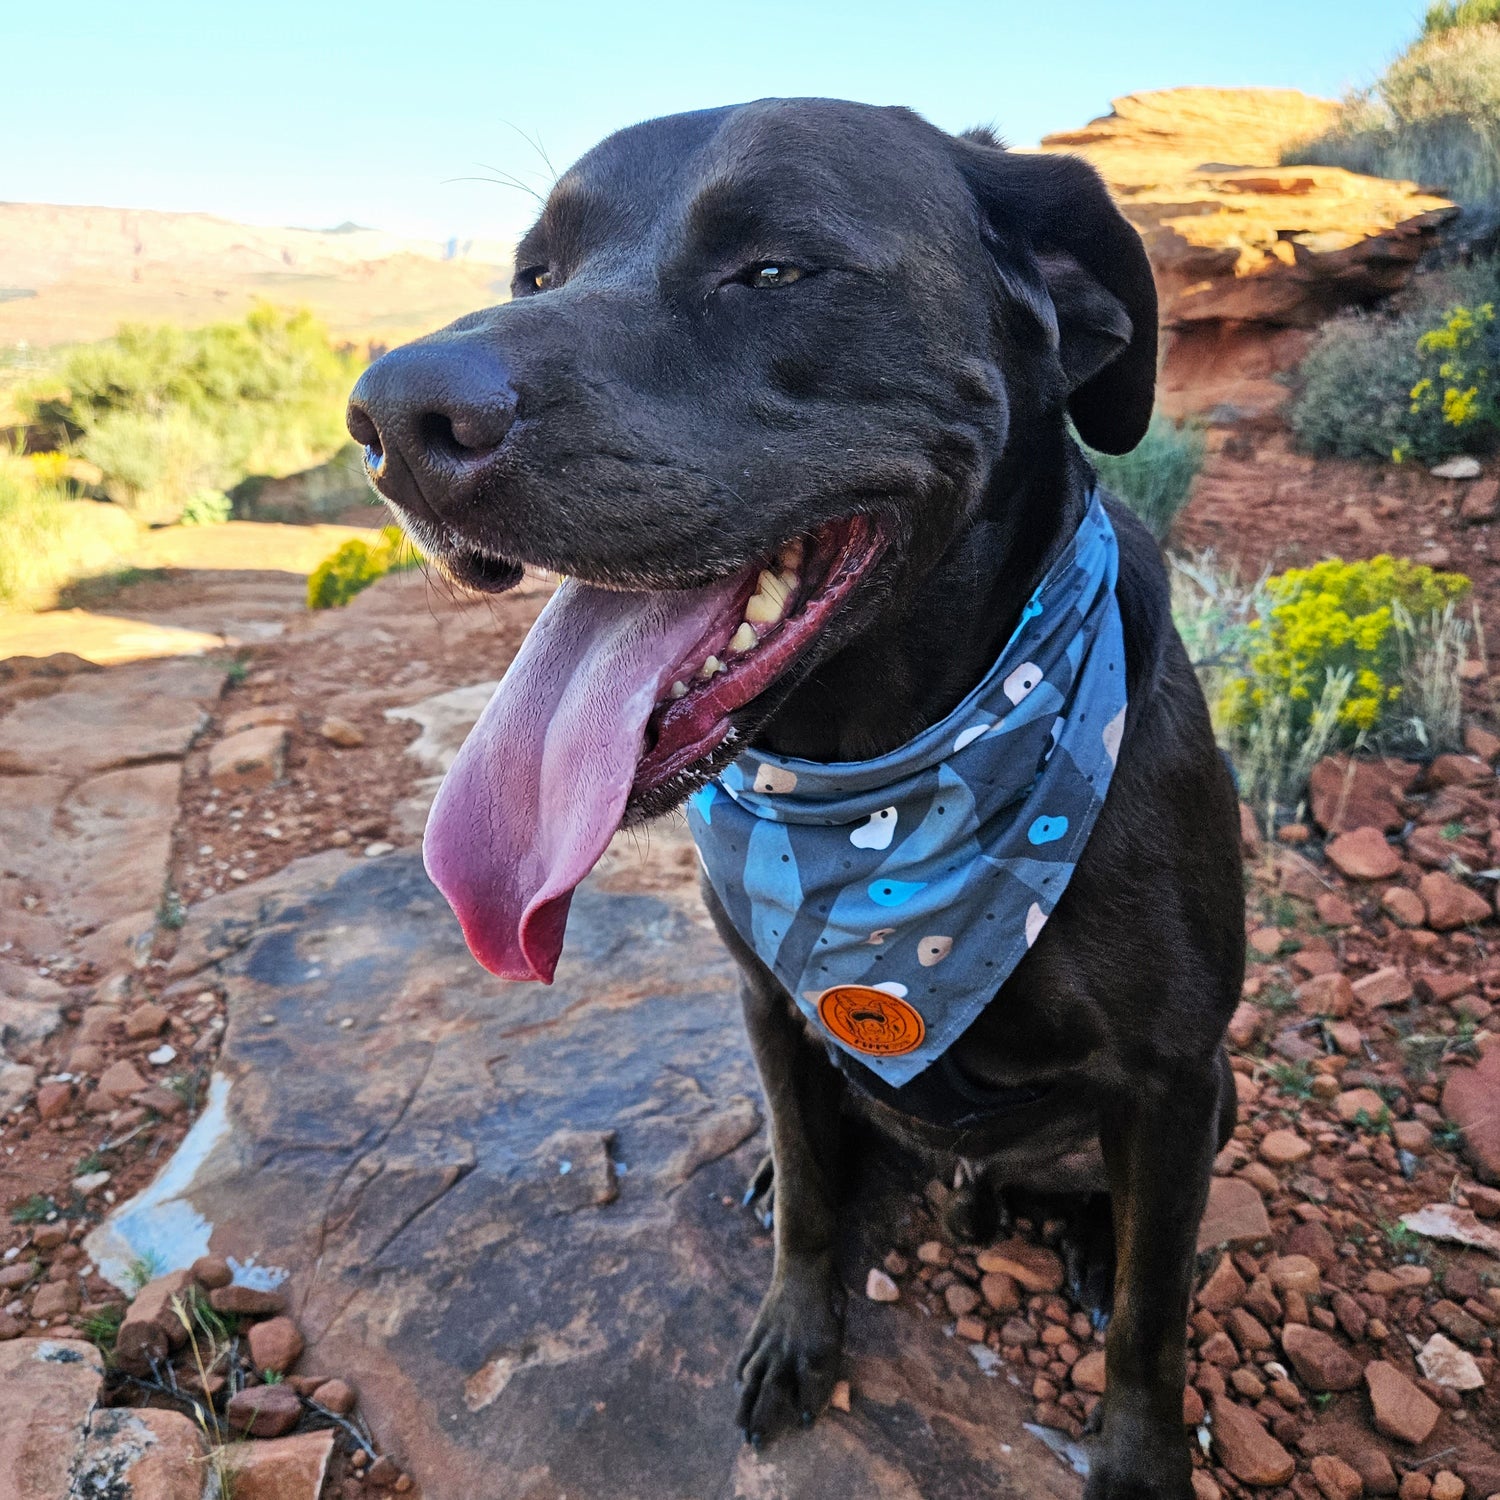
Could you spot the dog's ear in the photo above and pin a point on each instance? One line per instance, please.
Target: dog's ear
(1096, 273)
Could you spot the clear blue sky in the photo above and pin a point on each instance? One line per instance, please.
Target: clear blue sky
(310, 112)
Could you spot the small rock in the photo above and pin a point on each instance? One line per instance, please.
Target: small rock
(53, 1100)
(90, 1182)
(1412, 1136)
(1401, 1410)
(1000, 1293)
(264, 1411)
(1204, 1487)
(120, 1080)
(379, 847)
(341, 732)
(247, 1302)
(146, 1021)
(1334, 911)
(1284, 1148)
(1470, 1099)
(1295, 1273)
(276, 1344)
(1459, 770)
(211, 1272)
(1363, 854)
(839, 1400)
(880, 1288)
(1235, 1216)
(1033, 1267)
(54, 1299)
(338, 1396)
(1353, 1103)
(1451, 905)
(1244, 1026)
(1088, 1373)
(283, 1468)
(1325, 995)
(1481, 503)
(1320, 1360)
(1385, 987)
(1246, 1449)
(1225, 1288)
(1403, 906)
(1335, 1479)
(1345, 794)
(249, 760)
(1444, 1363)
(1464, 466)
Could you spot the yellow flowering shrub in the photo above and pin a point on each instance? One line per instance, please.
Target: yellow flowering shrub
(1466, 388)
(356, 565)
(1337, 618)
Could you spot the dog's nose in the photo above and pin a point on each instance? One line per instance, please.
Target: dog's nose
(431, 417)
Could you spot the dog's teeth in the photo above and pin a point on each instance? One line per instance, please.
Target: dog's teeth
(744, 639)
(710, 667)
(790, 556)
(679, 690)
(768, 603)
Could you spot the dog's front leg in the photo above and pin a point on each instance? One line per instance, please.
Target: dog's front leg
(1158, 1148)
(787, 1368)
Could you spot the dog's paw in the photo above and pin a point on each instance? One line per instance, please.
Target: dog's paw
(1155, 1468)
(787, 1367)
(1103, 1485)
(760, 1194)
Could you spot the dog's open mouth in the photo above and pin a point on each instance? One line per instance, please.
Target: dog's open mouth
(612, 696)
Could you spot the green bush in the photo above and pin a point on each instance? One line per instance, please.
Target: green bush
(49, 538)
(1434, 117)
(1341, 654)
(356, 565)
(167, 412)
(1156, 477)
(1447, 15)
(206, 508)
(1354, 390)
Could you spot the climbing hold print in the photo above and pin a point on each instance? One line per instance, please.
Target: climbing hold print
(877, 831)
(933, 950)
(894, 892)
(1047, 830)
(774, 780)
(1022, 681)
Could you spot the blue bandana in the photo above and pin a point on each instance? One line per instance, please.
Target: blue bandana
(893, 897)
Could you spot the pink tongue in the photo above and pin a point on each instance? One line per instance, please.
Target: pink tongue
(539, 787)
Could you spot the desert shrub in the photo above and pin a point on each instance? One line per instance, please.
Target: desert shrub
(1315, 659)
(1446, 15)
(206, 508)
(50, 538)
(166, 412)
(1465, 389)
(1156, 477)
(1354, 390)
(356, 565)
(1434, 116)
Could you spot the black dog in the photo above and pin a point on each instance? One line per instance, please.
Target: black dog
(833, 325)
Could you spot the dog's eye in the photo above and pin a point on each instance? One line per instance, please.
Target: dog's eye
(535, 278)
(772, 273)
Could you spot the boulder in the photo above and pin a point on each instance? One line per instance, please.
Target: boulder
(264, 1411)
(48, 1388)
(140, 1454)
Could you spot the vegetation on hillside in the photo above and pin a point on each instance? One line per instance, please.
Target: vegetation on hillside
(356, 565)
(169, 414)
(1434, 115)
(1156, 477)
(1420, 384)
(50, 536)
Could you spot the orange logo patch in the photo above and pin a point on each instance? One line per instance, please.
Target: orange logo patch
(871, 1021)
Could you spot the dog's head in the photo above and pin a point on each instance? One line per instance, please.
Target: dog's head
(758, 370)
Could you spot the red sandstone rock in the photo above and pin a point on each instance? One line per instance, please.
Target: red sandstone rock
(1321, 1361)
(1246, 1449)
(1363, 854)
(1401, 1411)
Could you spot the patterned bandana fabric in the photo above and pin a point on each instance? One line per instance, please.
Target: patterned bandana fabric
(893, 897)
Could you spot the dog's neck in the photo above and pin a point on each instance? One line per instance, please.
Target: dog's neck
(932, 646)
